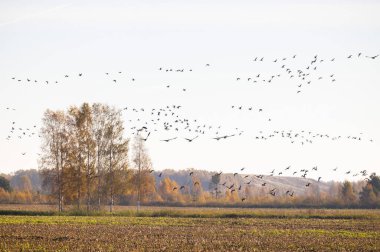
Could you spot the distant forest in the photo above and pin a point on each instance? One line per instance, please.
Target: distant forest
(87, 163)
(26, 187)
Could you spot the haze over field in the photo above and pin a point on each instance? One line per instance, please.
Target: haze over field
(219, 42)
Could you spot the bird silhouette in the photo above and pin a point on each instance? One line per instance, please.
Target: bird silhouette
(191, 139)
(168, 140)
(145, 139)
(373, 57)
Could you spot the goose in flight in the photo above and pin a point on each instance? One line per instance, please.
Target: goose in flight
(168, 140)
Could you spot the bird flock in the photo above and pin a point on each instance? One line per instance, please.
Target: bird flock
(233, 184)
(20, 132)
(303, 76)
(170, 120)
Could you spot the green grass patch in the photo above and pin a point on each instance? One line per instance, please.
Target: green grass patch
(212, 213)
(315, 233)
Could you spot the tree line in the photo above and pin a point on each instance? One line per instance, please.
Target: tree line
(25, 187)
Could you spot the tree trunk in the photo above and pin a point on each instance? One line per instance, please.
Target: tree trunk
(111, 180)
(79, 176)
(88, 177)
(139, 184)
(58, 181)
(99, 180)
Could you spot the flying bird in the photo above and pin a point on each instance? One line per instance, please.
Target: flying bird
(168, 140)
(145, 139)
(191, 139)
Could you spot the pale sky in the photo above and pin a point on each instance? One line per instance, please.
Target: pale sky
(45, 40)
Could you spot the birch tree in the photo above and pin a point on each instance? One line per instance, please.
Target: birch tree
(52, 163)
(117, 152)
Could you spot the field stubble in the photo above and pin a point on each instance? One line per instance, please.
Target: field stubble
(294, 230)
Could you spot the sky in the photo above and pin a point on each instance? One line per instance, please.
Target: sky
(46, 40)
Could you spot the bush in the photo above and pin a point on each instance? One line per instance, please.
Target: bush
(4, 184)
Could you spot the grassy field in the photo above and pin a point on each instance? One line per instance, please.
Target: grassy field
(194, 229)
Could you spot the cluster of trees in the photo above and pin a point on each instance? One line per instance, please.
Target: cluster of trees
(21, 188)
(85, 160)
(368, 195)
(84, 155)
